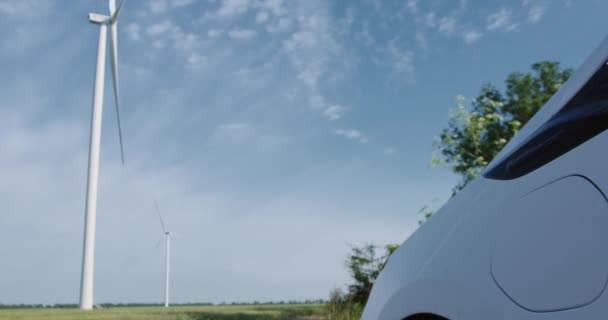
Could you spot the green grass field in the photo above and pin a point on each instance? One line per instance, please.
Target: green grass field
(250, 312)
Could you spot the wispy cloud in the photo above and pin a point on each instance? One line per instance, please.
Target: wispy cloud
(471, 36)
(401, 61)
(536, 13)
(352, 134)
(502, 19)
(311, 48)
(412, 6)
(335, 112)
(133, 31)
(262, 16)
(241, 133)
(161, 6)
(213, 33)
(182, 3)
(447, 25)
(167, 34)
(158, 6)
(196, 61)
(232, 8)
(159, 28)
(28, 8)
(242, 34)
(389, 151)
(237, 130)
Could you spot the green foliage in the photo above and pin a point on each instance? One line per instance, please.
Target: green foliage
(526, 93)
(477, 131)
(341, 307)
(427, 212)
(365, 264)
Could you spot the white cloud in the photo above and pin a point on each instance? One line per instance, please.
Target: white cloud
(301, 40)
(335, 112)
(165, 34)
(242, 34)
(351, 134)
(366, 35)
(159, 28)
(234, 8)
(389, 151)
(133, 31)
(158, 6)
(421, 40)
(412, 6)
(235, 129)
(181, 3)
(500, 20)
(231, 8)
(185, 41)
(159, 44)
(196, 61)
(262, 16)
(536, 13)
(471, 36)
(213, 33)
(280, 25)
(239, 133)
(447, 25)
(30, 8)
(347, 21)
(161, 6)
(430, 20)
(401, 61)
(313, 51)
(276, 7)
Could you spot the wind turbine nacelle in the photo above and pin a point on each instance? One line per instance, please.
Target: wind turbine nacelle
(98, 18)
(103, 19)
(528, 239)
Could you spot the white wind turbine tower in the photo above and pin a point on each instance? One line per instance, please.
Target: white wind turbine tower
(86, 284)
(167, 234)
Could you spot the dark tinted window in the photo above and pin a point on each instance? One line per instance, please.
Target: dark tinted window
(425, 316)
(582, 118)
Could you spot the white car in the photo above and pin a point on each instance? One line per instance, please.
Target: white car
(529, 238)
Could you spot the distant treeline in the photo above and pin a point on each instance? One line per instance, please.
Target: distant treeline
(317, 301)
(126, 305)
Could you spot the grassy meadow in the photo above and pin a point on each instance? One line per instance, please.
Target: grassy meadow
(245, 312)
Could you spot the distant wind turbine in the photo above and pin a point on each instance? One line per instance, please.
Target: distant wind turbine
(86, 283)
(167, 234)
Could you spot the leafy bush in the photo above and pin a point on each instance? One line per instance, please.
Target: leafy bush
(342, 307)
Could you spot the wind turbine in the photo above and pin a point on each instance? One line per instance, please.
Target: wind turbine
(167, 234)
(86, 283)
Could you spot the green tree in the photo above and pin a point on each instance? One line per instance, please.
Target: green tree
(365, 264)
(479, 129)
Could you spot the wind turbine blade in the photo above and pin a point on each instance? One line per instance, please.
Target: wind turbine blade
(114, 54)
(114, 12)
(162, 223)
(112, 5)
(160, 241)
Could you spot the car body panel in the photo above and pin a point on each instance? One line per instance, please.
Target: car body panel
(446, 266)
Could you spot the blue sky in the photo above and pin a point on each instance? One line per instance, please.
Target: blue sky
(273, 134)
